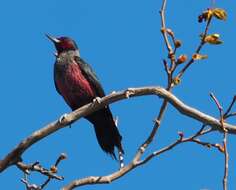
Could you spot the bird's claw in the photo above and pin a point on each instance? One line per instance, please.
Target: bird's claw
(62, 118)
(129, 92)
(97, 100)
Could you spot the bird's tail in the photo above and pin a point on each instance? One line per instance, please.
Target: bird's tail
(106, 131)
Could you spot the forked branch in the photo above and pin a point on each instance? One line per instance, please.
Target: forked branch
(15, 155)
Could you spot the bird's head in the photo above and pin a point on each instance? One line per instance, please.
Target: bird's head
(63, 44)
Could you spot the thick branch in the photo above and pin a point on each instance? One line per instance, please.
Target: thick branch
(16, 153)
(101, 179)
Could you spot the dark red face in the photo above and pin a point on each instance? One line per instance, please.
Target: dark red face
(63, 44)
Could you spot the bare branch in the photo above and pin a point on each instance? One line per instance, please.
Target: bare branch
(226, 162)
(53, 169)
(116, 175)
(37, 168)
(227, 113)
(220, 108)
(177, 142)
(134, 163)
(30, 186)
(16, 153)
(163, 27)
(202, 42)
(230, 115)
(225, 150)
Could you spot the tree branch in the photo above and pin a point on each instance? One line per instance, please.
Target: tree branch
(202, 42)
(137, 162)
(38, 168)
(225, 149)
(116, 175)
(15, 155)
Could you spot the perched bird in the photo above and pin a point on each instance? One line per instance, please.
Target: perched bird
(77, 83)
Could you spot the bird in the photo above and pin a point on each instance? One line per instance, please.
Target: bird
(78, 84)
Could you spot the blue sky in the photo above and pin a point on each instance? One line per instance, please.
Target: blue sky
(122, 42)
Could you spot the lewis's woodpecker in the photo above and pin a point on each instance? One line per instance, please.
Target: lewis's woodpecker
(77, 83)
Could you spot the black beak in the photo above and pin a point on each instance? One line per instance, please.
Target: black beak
(53, 39)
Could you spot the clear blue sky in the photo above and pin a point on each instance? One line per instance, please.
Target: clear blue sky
(122, 42)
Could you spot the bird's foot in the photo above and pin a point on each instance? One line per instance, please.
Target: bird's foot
(121, 159)
(62, 118)
(97, 100)
(129, 92)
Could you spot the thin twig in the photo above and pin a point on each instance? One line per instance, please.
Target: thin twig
(225, 151)
(37, 168)
(171, 54)
(45, 183)
(229, 108)
(230, 115)
(177, 142)
(164, 105)
(30, 186)
(226, 162)
(202, 42)
(53, 169)
(166, 67)
(220, 108)
(163, 26)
